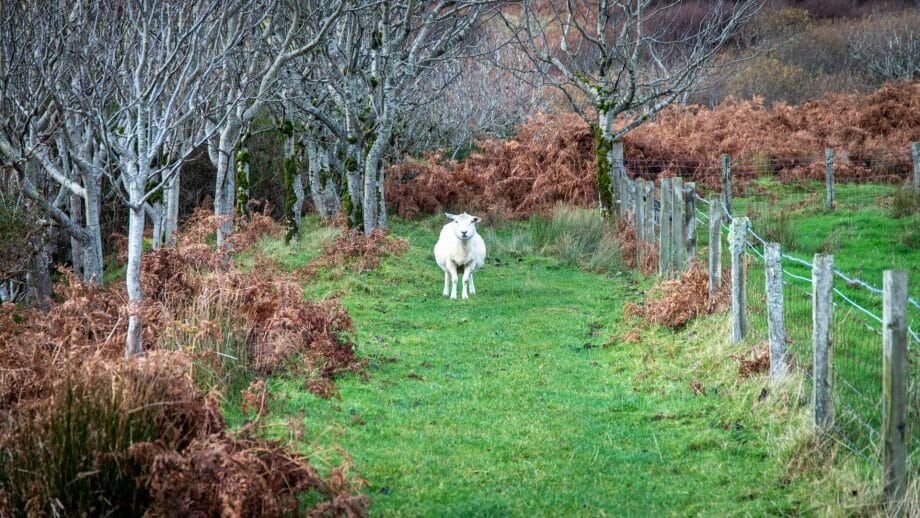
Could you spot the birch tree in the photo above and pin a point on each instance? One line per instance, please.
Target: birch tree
(375, 53)
(41, 132)
(620, 62)
(267, 37)
(161, 59)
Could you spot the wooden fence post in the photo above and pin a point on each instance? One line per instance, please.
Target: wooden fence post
(776, 326)
(715, 245)
(624, 188)
(638, 211)
(678, 237)
(690, 222)
(738, 240)
(664, 238)
(727, 183)
(915, 152)
(829, 177)
(650, 211)
(894, 386)
(822, 314)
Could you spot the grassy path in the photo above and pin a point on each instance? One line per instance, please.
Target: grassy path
(509, 403)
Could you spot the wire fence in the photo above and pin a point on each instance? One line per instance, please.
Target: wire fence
(856, 326)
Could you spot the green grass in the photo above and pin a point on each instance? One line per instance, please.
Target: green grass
(865, 238)
(511, 404)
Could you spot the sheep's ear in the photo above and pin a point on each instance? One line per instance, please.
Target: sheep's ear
(476, 219)
(450, 216)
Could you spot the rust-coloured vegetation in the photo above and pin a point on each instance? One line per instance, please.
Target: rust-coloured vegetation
(551, 159)
(357, 252)
(673, 303)
(103, 434)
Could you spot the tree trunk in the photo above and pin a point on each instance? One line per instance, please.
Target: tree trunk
(382, 221)
(298, 183)
(373, 186)
(224, 190)
(41, 276)
(92, 252)
(242, 161)
(603, 163)
(322, 182)
(291, 167)
(351, 202)
(369, 201)
(133, 345)
(76, 246)
(171, 218)
(155, 212)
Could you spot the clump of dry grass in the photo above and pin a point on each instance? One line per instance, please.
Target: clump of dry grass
(673, 303)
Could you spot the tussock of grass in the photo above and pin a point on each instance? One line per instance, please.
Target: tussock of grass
(582, 238)
(905, 202)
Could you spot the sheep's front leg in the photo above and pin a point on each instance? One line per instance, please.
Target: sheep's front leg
(472, 284)
(453, 280)
(446, 283)
(467, 273)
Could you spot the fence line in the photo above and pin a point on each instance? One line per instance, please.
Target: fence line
(862, 418)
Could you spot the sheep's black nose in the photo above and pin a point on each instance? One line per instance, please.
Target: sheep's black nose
(464, 233)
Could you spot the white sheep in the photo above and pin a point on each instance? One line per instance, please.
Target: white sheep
(460, 247)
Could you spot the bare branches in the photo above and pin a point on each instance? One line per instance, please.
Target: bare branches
(628, 58)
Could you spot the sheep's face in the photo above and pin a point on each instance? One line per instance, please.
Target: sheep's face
(464, 225)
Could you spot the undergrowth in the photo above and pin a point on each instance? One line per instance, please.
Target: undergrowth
(84, 431)
(550, 159)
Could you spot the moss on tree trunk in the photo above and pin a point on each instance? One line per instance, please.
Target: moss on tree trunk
(602, 164)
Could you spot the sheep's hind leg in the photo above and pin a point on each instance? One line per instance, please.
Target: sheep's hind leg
(446, 283)
(472, 284)
(453, 280)
(467, 272)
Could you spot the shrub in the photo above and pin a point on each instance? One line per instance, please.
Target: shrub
(85, 432)
(136, 437)
(77, 442)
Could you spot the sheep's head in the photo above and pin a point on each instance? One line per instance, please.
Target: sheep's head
(464, 225)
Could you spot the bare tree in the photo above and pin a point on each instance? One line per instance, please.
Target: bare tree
(620, 62)
(887, 46)
(41, 135)
(374, 56)
(158, 60)
(266, 38)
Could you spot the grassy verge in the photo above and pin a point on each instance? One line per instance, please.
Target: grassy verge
(535, 397)
(868, 232)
